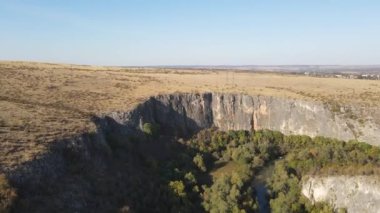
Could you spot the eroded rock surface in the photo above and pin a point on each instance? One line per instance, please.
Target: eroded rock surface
(183, 114)
(356, 193)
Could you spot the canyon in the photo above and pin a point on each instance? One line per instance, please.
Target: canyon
(184, 114)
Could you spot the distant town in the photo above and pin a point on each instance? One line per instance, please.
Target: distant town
(368, 76)
(368, 72)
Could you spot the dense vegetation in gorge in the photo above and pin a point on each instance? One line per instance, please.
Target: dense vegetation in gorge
(213, 171)
(294, 157)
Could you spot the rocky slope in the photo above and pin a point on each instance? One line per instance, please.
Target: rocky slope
(356, 194)
(184, 114)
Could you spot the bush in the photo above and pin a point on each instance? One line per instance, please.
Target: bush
(199, 162)
(7, 194)
(152, 130)
(178, 188)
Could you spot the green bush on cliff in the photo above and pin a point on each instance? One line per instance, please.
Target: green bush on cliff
(152, 130)
(199, 162)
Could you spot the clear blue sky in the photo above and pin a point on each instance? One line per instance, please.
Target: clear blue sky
(191, 32)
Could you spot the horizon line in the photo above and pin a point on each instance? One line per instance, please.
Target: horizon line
(189, 65)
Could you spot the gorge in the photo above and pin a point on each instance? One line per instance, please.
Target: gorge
(182, 115)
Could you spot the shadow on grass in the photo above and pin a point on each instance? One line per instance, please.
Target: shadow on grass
(118, 168)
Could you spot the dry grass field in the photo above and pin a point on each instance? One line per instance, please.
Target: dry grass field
(40, 103)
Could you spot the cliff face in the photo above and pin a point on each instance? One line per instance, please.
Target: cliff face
(356, 194)
(183, 114)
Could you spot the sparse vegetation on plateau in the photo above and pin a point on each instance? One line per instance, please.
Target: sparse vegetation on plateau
(41, 103)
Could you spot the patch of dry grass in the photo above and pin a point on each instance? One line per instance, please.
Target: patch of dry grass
(225, 168)
(7, 195)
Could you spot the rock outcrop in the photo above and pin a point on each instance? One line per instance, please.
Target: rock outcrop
(183, 114)
(356, 193)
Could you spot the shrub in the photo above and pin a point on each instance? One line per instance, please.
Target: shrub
(151, 130)
(178, 188)
(199, 162)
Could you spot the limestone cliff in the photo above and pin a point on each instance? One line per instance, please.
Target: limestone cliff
(356, 194)
(183, 114)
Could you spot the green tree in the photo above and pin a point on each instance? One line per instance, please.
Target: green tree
(227, 195)
(178, 188)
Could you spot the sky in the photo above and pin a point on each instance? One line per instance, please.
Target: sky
(191, 32)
